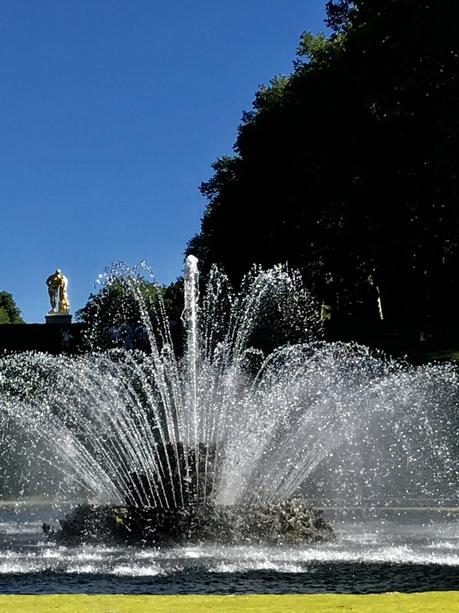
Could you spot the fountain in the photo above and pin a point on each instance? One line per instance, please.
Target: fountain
(227, 442)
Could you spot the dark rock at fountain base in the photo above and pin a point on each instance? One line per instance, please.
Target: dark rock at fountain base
(287, 523)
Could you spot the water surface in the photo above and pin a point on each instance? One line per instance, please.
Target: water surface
(374, 551)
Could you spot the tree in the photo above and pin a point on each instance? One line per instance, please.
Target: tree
(127, 301)
(347, 168)
(9, 311)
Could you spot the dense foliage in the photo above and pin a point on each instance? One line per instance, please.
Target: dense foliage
(128, 306)
(9, 311)
(114, 316)
(348, 167)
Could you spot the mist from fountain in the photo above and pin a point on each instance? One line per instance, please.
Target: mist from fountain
(331, 421)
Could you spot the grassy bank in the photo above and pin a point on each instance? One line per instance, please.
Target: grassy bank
(438, 602)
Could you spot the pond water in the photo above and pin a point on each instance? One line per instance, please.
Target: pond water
(375, 550)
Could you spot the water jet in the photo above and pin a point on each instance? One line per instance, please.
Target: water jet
(229, 434)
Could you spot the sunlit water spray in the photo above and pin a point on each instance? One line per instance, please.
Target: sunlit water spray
(332, 421)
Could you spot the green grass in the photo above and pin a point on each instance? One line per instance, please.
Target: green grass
(436, 602)
(442, 355)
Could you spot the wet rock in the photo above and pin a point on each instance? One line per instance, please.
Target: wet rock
(287, 523)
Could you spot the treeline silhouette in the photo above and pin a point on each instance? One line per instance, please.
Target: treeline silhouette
(348, 167)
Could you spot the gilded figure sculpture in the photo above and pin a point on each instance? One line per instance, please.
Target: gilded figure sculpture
(57, 288)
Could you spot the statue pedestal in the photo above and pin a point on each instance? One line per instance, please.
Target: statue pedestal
(61, 319)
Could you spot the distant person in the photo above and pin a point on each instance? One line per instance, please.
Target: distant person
(141, 336)
(66, 338)
(115, 335)
(127, 334)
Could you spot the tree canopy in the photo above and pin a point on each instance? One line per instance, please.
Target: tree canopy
(348, 167)
(9, 311)
(114, 316)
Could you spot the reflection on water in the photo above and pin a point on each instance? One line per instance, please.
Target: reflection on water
(374, 551)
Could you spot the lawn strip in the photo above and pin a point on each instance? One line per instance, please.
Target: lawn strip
(438, 602)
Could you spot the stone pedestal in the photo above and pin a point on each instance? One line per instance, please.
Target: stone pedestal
(59, 318)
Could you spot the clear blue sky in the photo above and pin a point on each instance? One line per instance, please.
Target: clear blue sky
(111, 113)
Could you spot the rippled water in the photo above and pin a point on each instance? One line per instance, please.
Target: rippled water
(375, 551)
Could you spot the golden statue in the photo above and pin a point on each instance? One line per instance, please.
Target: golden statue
(57, 288)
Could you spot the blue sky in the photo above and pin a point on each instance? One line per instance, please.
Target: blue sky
(111, 113)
